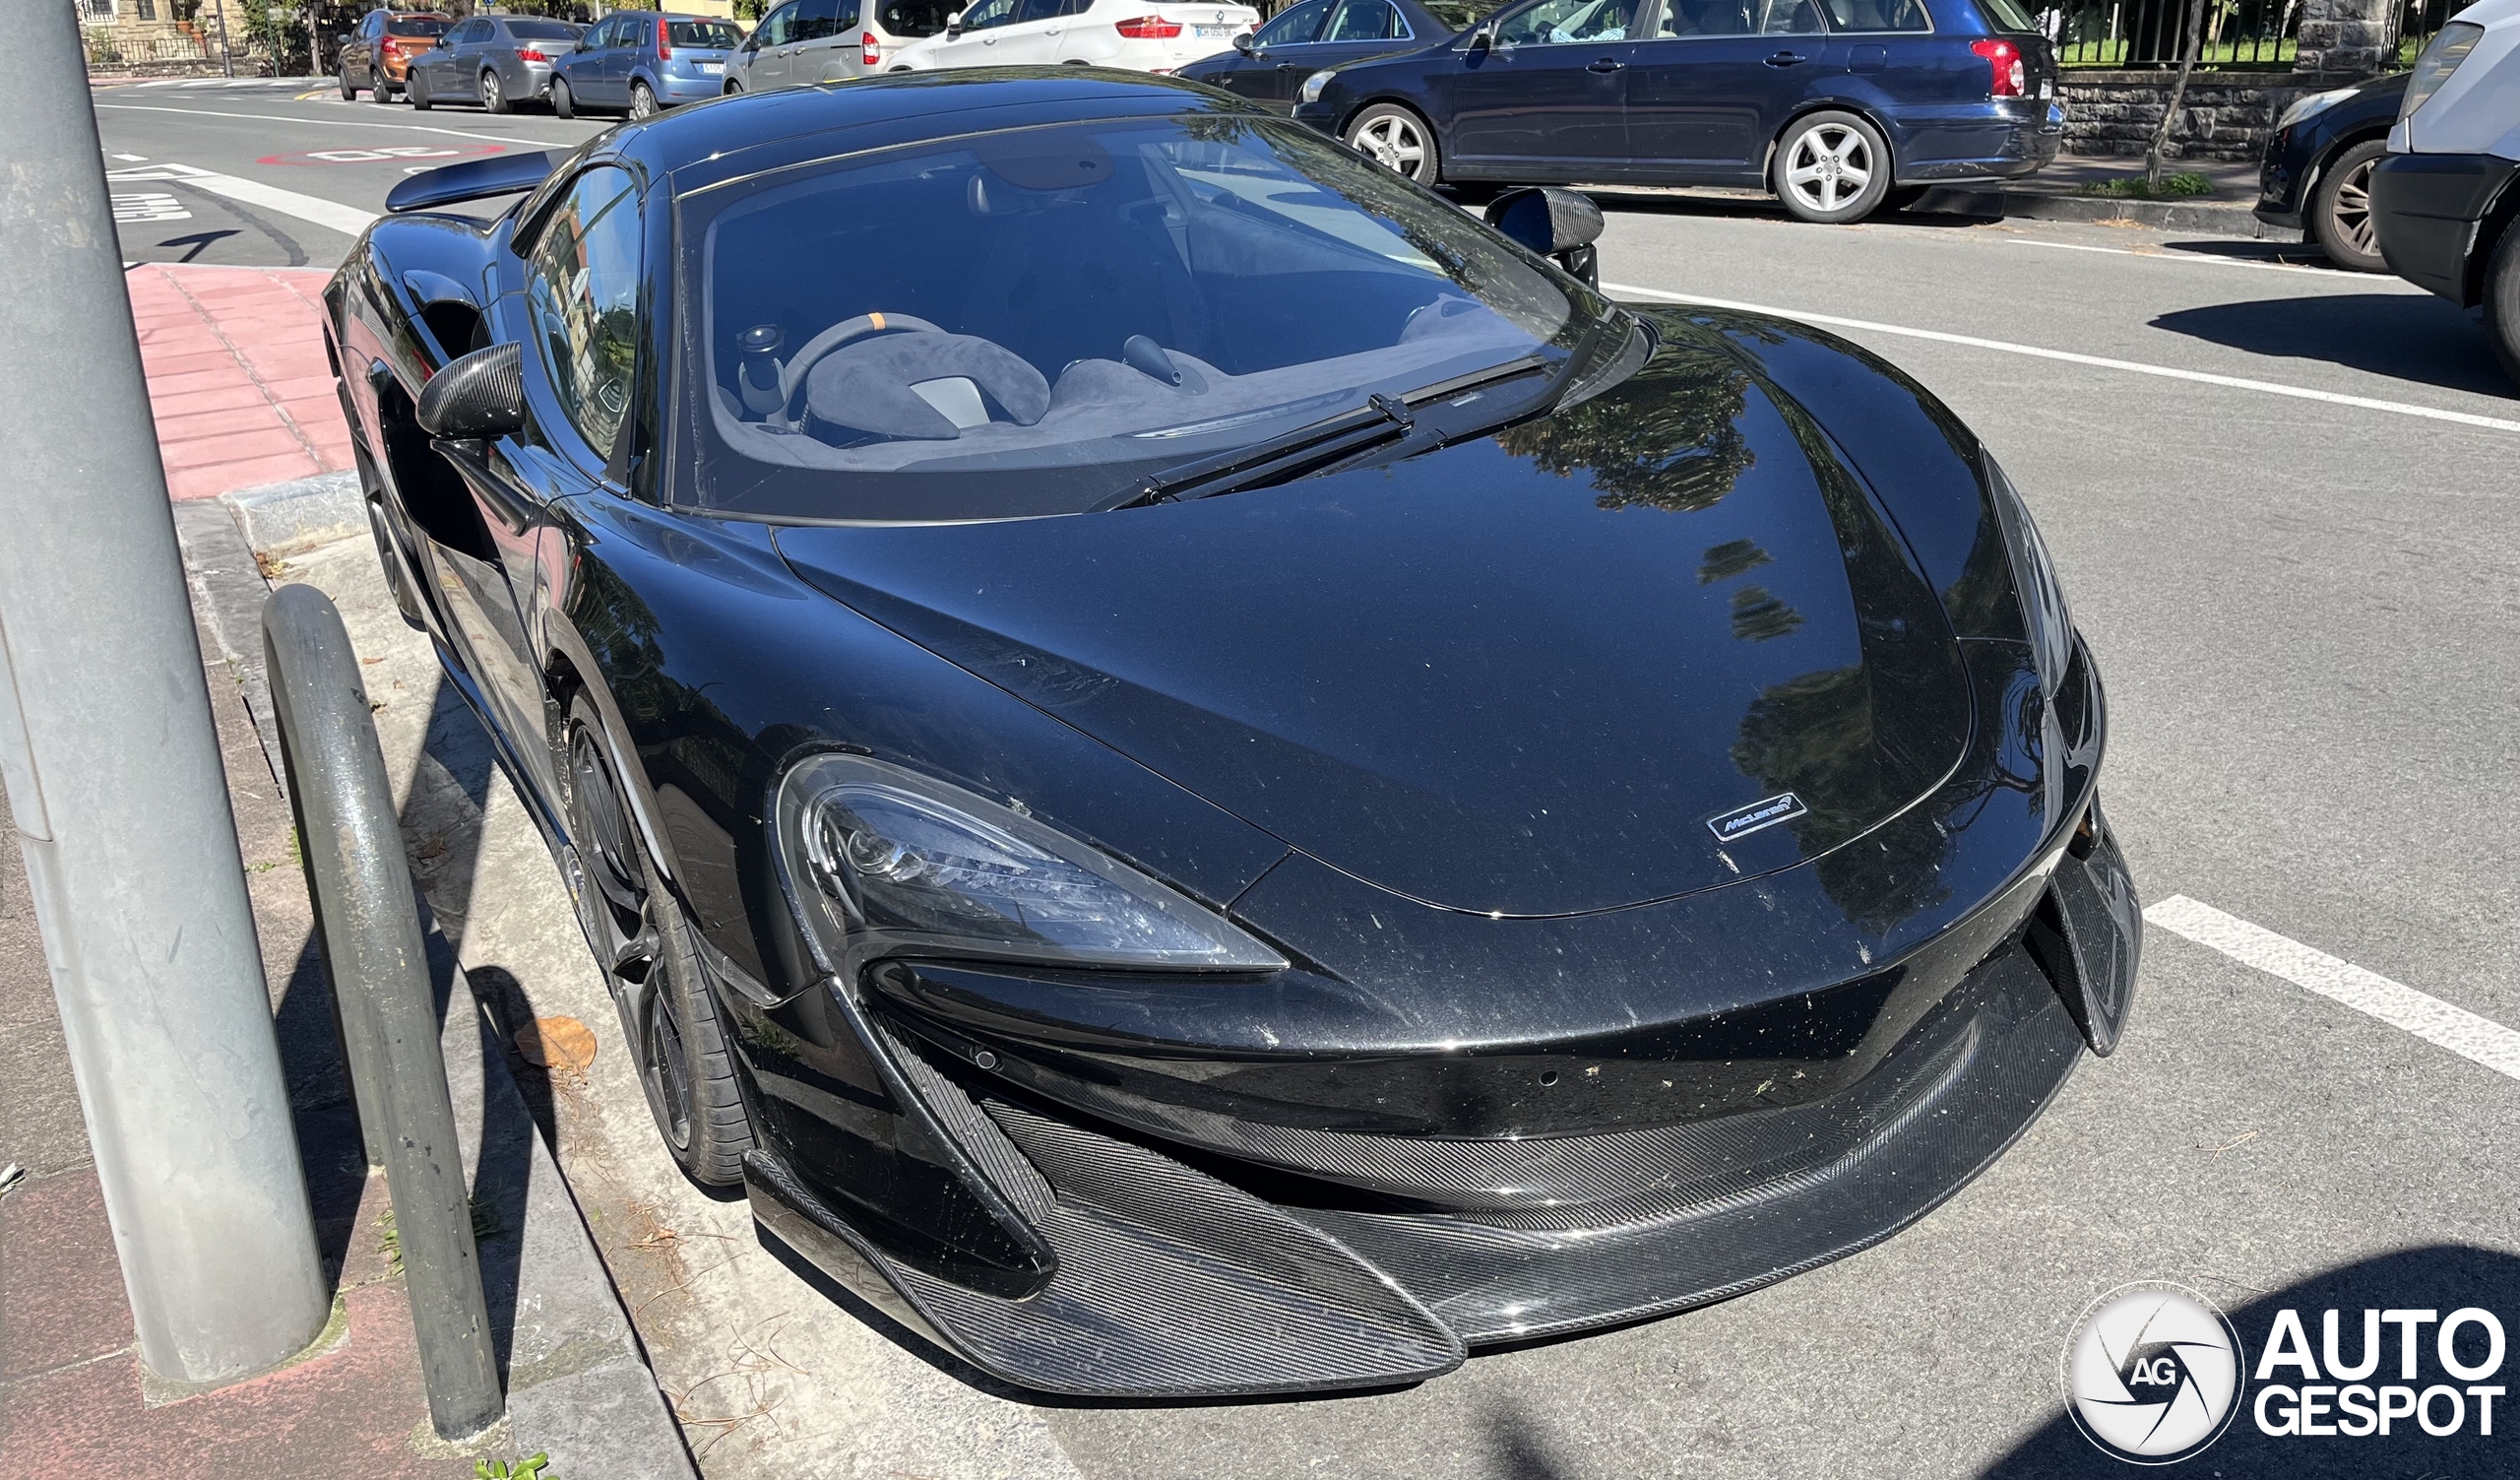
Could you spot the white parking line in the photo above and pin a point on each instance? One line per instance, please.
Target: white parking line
(2427, 1018)
(2234, 382)
(330, 123)
(349, 221)
(2363, 280)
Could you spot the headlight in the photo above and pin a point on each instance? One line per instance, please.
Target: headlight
(2311, 106)
(881, 861)
(2439, 60)
(1312, 86)
(2034, 575)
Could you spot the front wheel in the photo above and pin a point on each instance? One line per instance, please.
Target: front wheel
(494, 94)
(1398, 140)
(2502, 302)
(642, 102)
(418, 87)
(1831, 168)
(2340, 213)
(734, 88)
(562, 104)
(350, 85)
(643, 943)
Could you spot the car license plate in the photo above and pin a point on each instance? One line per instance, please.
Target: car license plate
(1211, 33)
(713, 68)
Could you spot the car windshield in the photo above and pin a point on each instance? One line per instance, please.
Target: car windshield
(719, 35)
(414, 26)
(543, 30)
(1026, 322)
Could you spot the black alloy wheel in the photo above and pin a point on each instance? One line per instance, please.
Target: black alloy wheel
(643, 943)
(2340, 209)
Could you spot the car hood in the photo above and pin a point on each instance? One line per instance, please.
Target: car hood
(1563, 668)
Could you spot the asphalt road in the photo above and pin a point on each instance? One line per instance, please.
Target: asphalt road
(2282, 500)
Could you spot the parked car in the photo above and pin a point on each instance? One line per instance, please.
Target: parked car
(1301, 40)
(1838, 106)
(2448, 198)
(2316, 178)
(496, 61)
(1138, 36)
(378, 54)
(639, 61)
(1195, 672)
(807, 42)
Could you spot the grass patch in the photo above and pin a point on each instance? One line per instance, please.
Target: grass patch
(2185, 183)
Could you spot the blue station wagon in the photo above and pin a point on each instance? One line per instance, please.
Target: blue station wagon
(1838, 106)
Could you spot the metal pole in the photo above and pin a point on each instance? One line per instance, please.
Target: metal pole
(370, 920)
(112, 768)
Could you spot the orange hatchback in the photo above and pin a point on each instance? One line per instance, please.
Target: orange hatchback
(378, 55)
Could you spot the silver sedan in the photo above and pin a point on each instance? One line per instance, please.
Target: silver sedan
(496, 61)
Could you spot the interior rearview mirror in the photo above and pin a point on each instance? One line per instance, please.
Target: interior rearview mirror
(1554, 222)
(478, 397)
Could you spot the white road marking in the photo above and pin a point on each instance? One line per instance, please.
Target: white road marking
(349, 221)
(2370, 280)
(148, 205)
(2234, 382)
(330, 123)
(133, 158)
(2427, 1018)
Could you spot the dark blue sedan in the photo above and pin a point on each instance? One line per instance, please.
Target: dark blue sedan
(1836, 105)
(1268, 65)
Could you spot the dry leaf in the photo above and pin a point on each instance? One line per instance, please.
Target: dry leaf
(556, 1042)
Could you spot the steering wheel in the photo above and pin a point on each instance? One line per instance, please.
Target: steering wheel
(791, 379)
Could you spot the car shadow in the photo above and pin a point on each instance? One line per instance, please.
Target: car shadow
(2442, 1278)
(2427, 339)
(1943, 208)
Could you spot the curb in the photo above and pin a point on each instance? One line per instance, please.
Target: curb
(578, 1384)
(2220, 219)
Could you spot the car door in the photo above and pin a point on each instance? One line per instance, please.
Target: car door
(772, 43)
(461, 73)
(583, 64)
(1546, 98)
(1271, 71)
(815, 51)
(1714, 84)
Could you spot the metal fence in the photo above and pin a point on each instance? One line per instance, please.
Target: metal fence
(2418, 22)
(114, 48)
(2238, 34)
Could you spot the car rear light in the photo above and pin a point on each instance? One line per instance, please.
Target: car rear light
(2005, 58)
(1148, 28)
(871, 52)
(664, 47)
(390, 47)
(529, 54)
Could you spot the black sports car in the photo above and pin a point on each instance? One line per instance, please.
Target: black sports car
(1207, 776)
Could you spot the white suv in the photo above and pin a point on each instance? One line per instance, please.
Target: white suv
(1137, 34)
(2445, 203)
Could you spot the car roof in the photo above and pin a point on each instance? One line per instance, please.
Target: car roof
(705, 144)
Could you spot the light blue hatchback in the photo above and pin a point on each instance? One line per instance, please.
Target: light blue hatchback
(639, 61)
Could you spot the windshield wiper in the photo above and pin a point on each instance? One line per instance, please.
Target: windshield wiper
(1315, 446)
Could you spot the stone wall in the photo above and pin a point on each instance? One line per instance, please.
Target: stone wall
(2225, 115)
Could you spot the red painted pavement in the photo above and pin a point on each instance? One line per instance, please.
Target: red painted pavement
(237, 377)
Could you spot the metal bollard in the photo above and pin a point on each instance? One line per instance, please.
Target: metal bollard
(369, 919)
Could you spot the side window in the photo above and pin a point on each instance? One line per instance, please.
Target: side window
(603, 36)
(1877, 14)
(847, 22)
(777, 29)
(1566, 22)
(817, 20)
(1365, 20)
(988, 13)
(1791, 18)
(1706, 18)
(584, 292)
(1293, 28)
(1037, 9)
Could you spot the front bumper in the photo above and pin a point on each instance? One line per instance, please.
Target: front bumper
(2426, 210)
(1358, 1212)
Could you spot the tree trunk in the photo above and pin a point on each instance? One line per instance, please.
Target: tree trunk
(2177, 96)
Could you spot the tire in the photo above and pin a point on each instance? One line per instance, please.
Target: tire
(419, 90)
(2340, 213)
(2502, 300)
(679, 1040)
(494, 94)
(378, 89)
(1398, 140)
(643, 101)
(562, 104)
(1818, 155)
(734, 89)
(350, 85)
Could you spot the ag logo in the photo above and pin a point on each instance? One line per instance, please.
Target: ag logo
(2151, 1372)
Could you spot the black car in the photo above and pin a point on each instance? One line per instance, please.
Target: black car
(2316, 178)
(1840, 107)
(1204, 776)
(1266, 66)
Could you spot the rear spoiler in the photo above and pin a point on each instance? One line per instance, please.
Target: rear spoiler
(472, 180)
